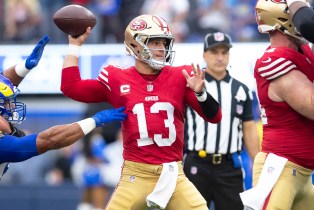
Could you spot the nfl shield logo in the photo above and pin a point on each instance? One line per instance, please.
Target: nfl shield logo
(239, 109)
(193, 170)
(150, 88)
(270, 170)
(132, 178)
(219, 37)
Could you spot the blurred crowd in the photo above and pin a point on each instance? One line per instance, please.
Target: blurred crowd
(24, 21)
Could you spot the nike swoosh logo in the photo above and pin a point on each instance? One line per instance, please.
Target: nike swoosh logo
(4, 88)
(267, 61)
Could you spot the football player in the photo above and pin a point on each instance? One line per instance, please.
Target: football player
(284, 77)
(155, 95)
(14, 145)
(17, 73)
(303, 18)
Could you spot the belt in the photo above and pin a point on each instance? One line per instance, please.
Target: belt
(215, 159)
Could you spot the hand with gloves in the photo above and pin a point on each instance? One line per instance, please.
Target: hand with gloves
(33, 59)
(23, 68)
(110, 115)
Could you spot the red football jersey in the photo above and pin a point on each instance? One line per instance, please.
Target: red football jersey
(153, 131)
(285, 132)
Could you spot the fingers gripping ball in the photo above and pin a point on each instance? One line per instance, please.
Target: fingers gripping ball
(74, 19)
(106, 116)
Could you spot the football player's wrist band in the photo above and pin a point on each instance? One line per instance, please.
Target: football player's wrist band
(289, 2)
(201, 96)
(74, 50)
(87, 125)
(20, 69)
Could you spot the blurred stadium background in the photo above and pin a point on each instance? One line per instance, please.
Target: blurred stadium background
(32, 185)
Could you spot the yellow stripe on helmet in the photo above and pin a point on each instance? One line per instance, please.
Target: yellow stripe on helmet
(5, 90)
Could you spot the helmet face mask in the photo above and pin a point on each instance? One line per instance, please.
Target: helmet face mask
(274, 15)
(10, 109)
(138, 34)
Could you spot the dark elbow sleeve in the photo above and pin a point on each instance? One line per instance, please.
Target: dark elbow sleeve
(303, 20)
(210, 106)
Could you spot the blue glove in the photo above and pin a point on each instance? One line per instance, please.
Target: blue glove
(106, 116)
(35, 56)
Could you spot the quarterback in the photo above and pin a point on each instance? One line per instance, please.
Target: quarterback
(284, 77)
(155, 95)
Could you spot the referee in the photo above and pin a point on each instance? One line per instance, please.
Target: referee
(212, 161)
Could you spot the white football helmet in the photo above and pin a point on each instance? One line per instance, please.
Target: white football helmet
(137, 35)
(274, 15)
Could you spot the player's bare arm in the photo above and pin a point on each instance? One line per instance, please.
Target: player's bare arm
(5, 126)
(58, 137)
(64, 135)
(12, 75)
(295, 89)
(250, 137)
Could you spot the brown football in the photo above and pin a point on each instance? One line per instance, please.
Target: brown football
(74, 19)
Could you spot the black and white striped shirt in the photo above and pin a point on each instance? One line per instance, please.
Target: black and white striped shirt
(226, 137)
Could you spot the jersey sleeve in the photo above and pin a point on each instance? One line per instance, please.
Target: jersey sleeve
(196, 105)
(273, 67)
(88, 91)
(104, 78)
(214, 115)
(14, 149)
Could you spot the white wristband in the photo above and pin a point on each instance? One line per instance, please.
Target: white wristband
(21, 70)
(289, 2)
(74, 50)
(202, 97)
(87, 125)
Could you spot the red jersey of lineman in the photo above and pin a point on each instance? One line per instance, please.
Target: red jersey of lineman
(153, 131)
(285, 132)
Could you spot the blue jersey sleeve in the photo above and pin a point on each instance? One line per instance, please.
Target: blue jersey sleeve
(14, 149)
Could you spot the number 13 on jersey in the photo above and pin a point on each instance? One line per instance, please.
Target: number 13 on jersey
(144, 139)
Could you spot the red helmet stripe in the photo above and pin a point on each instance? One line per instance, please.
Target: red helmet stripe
(162, 23)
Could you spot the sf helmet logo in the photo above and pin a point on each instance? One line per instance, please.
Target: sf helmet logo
(138, 25)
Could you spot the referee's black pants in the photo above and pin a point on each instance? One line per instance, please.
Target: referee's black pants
(220, 183)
